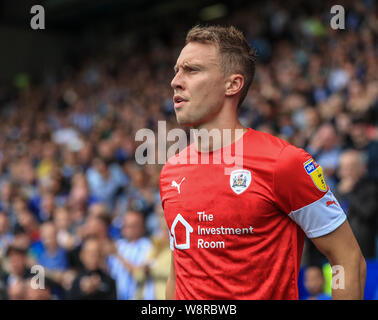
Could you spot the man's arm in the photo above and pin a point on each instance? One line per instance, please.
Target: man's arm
(110, 248)
(170, 290)
(341, 248)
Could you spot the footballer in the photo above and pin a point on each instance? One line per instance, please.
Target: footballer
(241, 235)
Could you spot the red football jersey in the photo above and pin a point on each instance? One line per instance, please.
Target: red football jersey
(241, 235)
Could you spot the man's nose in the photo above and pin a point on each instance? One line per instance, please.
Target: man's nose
(177, 81)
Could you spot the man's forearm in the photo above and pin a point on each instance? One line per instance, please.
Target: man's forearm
(349, 283)
(171, 283)
(170, 290)
(130, 267)
(341, 249)
(362, 276)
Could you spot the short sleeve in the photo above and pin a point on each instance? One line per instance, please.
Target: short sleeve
(302, 193)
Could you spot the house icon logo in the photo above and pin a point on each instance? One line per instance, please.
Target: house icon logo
(188, 231)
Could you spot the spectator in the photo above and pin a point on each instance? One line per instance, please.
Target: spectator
(16, 290)
(96, 226)
(93, 283)
(79, 199)
(105, 180)
(16, 269)
(100, 211)
(6, 237)
(38, 293)
(127, 254)
(65, 236)
(97, 209)
(27, 222)
(53, 257)
(47, 206)
(157, 265)
(325, 148)
(359, 140)
(314, 283)
(356, 193)
(6, 196)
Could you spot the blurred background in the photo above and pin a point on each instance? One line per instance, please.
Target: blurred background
(73, 95)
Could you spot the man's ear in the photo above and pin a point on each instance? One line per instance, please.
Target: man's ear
(234, 84)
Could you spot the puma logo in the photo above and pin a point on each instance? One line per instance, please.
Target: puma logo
(331, 202)
(177, 185)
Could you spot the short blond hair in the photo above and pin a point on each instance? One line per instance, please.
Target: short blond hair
(236, 54)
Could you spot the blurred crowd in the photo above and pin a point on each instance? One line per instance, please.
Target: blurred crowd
(73, 199)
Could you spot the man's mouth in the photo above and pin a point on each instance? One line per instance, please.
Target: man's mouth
(178, 101)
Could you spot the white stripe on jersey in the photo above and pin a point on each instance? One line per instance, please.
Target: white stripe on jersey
(320, 217)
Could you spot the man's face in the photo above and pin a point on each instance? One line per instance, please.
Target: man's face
(96, 227)
(48, 203)
(350, 167)
(314, 280)
(199, 84)
(91, 255)
(3, 223)
(62, 219)
(17, 263)
(133, 228)
(48, 235)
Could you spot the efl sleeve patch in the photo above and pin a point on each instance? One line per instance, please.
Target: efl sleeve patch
(298, 180)
(316, 173)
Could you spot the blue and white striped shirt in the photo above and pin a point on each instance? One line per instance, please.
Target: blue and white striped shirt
(136, 253)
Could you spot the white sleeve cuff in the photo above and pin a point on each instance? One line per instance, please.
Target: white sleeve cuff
(320, 217)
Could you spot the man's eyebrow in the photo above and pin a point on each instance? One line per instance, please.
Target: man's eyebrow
(193, 65)
(188, 64)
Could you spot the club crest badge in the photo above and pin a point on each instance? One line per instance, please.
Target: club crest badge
(240, 180)
(316, 173)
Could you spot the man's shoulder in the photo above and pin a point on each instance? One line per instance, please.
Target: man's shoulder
(265, 143)
(284, 154)
(181, 157)
(143, 241)
(255, 143)
(146, 241)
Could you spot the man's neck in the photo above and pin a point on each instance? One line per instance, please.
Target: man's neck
(220, 132)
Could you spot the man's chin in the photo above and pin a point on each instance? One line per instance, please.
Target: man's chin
(183, 121)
